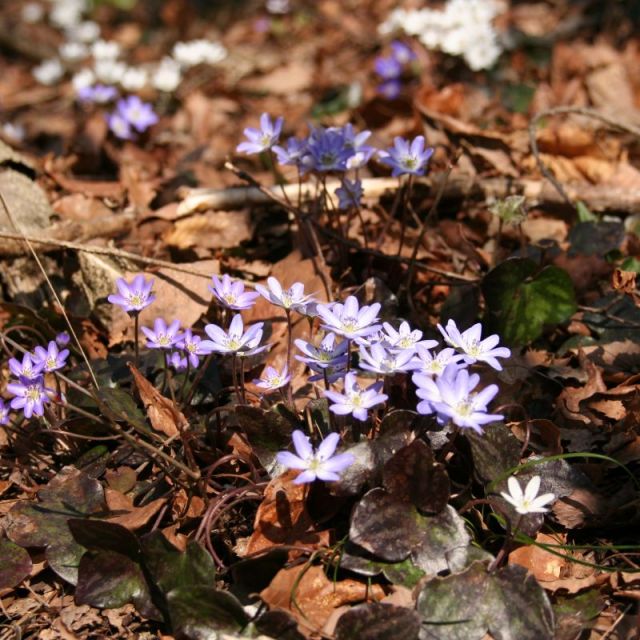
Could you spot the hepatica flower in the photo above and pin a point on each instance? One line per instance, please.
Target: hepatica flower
(475, 349)
(133, 297)
(349, 194)
(191, 344)
(30, 396)
(292, 298)
(320, 464)
(327, 150)
(119, 126)
(355, 400)
(435, 364)
(236, 340)
(350, 319)
(29, 369)
(388, 68)
(178, 361)
(264, 138)
(451, 398)
(231, 294)
(407, 158)
(162, 336)
(404, 337)
(140, 115)
(4, 412)
(51, 358)
(294, 153)
(402, 52)
(327, 354)
(273, 379)
(379, 360)
(97, 93)
(527, 501)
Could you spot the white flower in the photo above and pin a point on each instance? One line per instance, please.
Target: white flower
(167, 75)
(134, 79)
(189, 54)
(83, 79)
(528, 501)
(48, 72)
(73, 51)
(278, 6)
(32, 12)
(67, 13)
(14, 131)
(105, 50)
(87, 31)
(109, 71)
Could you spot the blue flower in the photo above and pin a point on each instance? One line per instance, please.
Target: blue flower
(162, 336)
(475, 349)
(407, 158)
(327, 150)
(264, 138)
(349, 194)
(388, 68)
(294, 153)
(402, 52)
(51, 358)
(355, 400)
(236, 340)
(349, 319)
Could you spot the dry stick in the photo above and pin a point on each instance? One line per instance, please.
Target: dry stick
(53, 291)
(554, 111)
(303, 222)
(107, 251)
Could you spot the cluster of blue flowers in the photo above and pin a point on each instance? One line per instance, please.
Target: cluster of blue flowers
(131, 117)
(444, 385)
(391, 69)
(28, 386)
(335, 150)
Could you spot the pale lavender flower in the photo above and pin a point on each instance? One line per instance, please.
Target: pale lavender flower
(178, 361)
(119, 126)
(404, 337)
(527, 501)
(294, 153)
(30, 396)
(379, 360)
(292, 298)
(402, 52)
(97, 93)
(320, 464)
(51, 358)
(355, 143)
(4, 412)
(264, 138)
(349, 319)
(349, 194)
(475, 349)
(231, 294)
(355, 400)
(407, 158)
(140, 115)
(390, 89)
(388, 68)
(162, 336)
(273, 379)
(191, 344)
(135, 296)
(236, 340)
(435, 364)
(327, 355)
(29, 369)
(451, 398)
(63, 339)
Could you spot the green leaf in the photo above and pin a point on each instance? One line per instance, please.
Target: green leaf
(120, 406)
(522, 300)
(378, 621)
(584, 213)
(404, 573)
(15, 564)
(508, 604)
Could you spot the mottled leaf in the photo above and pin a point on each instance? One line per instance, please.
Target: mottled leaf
(108, 580)
(15, 564)
(413, 474)
(378, 621)
(278, 624)
(120, 406)
(98, 535)
(508, 604)
(494, 452)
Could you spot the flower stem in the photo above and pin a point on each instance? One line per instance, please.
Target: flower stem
(135, 331)
(506, 546)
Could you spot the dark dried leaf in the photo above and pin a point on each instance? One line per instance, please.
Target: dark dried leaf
(98, 535)
(378, 621)
(494, 452)
(15, 564)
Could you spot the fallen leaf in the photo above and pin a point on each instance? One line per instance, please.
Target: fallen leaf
(133, 517)
(211, 230)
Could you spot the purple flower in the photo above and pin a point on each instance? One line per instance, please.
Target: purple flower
(140, 115)
(327, 150)
(327, 355)
(30, 395)
(355, 400)
(119, 126)
(292, 298)
(402, 52)
(162, 336)
(264, 138)
(407, 158)
(29, 369)
(451, 398)
(133, 297)
(320, 464)
(388, 68)
(236, 340)
(404, 337)
(349, 319)
(294, 153)
(272, 379)
(63, 339)
(192, 345)
(390, 89)
(51, 358)
(475, 350)
(178, 361)
(4, 412)
(231, 294)
(349, 194)
(355, 143)
(98, 93)
(380, 360)
(434, 365)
